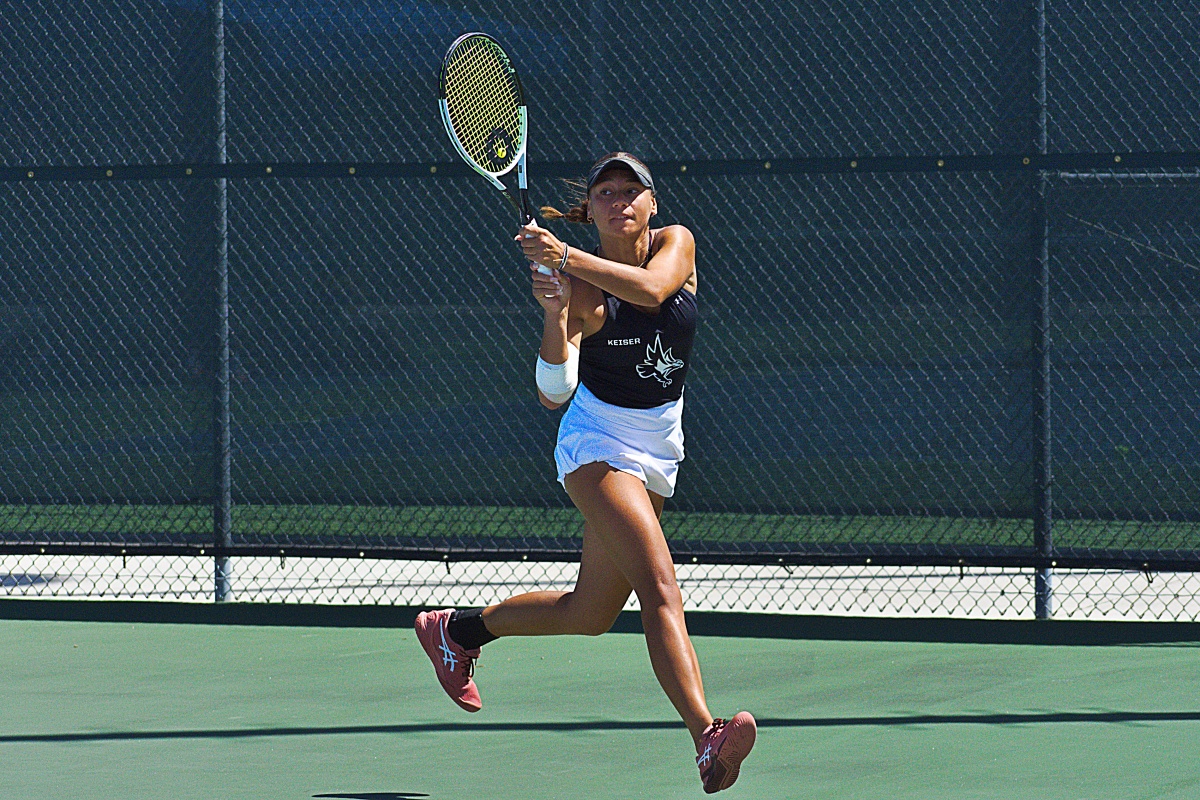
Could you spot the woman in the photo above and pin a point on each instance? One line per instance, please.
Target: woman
(617, 334)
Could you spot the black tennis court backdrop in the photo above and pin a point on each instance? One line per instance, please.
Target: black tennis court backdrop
(948, 262)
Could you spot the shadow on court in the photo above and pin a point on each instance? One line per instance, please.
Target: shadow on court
(1029, 718)
(374, 796)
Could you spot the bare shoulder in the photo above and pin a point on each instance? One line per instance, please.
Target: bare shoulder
(679, 242)
(673, 236)
(587, 305)
(584, 295)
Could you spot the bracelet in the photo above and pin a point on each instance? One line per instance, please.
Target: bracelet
(562, 265)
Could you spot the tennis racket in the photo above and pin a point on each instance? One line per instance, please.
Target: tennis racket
(483, 109)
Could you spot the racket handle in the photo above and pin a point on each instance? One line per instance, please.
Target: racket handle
(527, 218)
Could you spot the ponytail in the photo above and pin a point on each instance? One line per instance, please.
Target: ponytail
(577, 212)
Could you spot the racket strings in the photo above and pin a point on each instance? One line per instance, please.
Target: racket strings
(482, 98)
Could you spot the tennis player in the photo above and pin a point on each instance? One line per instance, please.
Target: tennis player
(617, 337)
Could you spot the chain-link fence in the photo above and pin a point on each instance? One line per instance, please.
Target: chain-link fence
(901, 591)
(950, 284)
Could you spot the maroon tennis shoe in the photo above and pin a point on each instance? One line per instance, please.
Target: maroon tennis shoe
(723, 746)
(455, 666)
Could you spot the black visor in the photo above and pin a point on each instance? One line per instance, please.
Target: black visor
(625, 160)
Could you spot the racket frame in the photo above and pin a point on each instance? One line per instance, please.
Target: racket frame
(523, 209)
(522, 206)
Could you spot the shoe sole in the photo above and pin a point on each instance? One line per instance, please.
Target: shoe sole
(427, 644)
(737, 745)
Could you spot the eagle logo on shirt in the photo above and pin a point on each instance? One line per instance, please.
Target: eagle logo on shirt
(659, 363)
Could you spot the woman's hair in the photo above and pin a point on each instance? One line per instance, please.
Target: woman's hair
(578, 212)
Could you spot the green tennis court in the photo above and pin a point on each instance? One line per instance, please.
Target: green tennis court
(141, 710)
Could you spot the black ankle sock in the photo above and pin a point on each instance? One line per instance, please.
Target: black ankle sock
(466, 628)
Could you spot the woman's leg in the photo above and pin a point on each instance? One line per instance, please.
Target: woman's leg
(600, 593)
(624, 519)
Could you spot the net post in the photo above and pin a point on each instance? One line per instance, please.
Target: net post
(1043, 476)
(223, 496)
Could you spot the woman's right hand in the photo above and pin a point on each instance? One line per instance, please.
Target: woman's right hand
(553, 291)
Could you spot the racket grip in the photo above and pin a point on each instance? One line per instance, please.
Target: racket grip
(545, 270)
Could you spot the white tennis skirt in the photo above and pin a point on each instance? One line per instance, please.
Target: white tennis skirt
(644, 442)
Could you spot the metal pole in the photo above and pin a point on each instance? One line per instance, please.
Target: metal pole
(223, 499)
(598, 12)
(1043, 476)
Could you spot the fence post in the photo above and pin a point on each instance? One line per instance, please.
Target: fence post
(598, 11)
(1042, 515)
(223, 497)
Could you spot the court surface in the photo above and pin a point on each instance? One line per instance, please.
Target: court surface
(175, 712)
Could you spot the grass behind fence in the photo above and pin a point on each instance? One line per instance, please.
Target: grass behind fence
(312, 523)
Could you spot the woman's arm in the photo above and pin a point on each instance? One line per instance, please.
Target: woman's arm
(561, 330)
(673, 262)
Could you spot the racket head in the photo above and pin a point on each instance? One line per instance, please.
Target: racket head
(483, 105)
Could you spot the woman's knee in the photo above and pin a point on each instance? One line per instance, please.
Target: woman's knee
(661, 594)
(595, 626)
(590, 621)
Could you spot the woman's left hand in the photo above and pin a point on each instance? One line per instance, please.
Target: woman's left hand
(540, 246)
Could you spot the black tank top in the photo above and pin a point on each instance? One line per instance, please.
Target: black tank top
(639, 360)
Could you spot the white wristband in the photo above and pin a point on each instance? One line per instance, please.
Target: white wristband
(558, 381)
